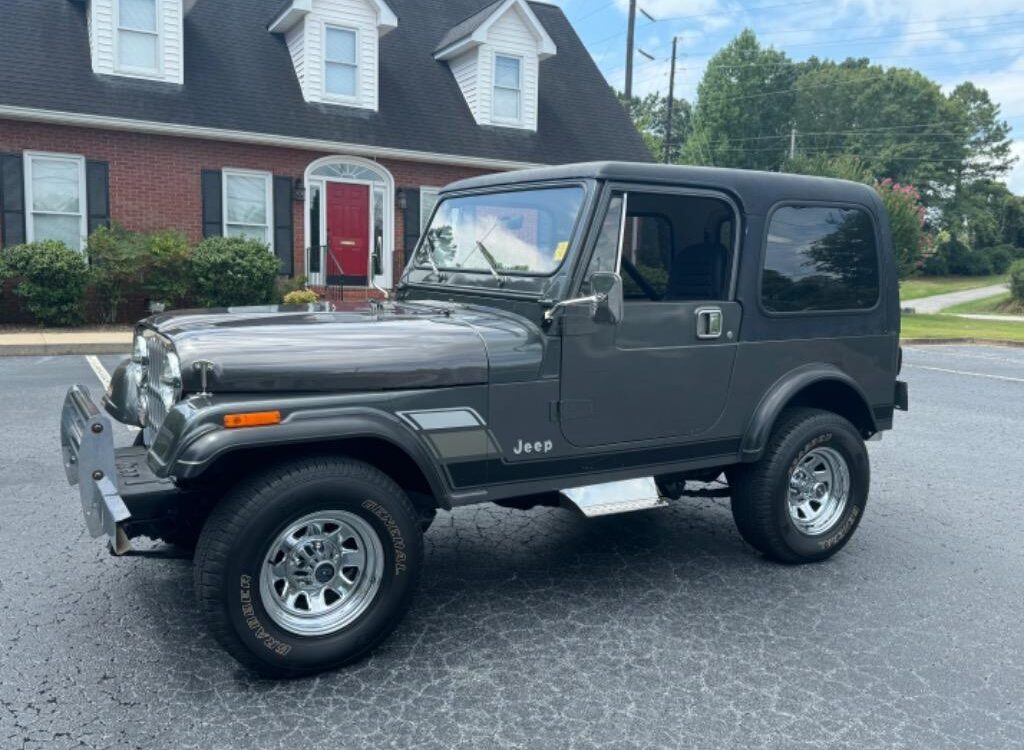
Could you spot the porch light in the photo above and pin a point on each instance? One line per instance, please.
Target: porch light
(403, 202)
(299, 190)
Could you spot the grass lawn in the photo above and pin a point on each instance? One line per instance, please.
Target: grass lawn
(1000, 304)
(929, 286)
(952, 327)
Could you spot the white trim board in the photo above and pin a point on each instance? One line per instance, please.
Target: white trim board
(262, 139)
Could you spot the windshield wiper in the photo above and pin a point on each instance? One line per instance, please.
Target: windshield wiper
(492, 264)
(430, 257)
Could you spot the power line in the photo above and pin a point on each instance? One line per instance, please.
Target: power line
(871, 39)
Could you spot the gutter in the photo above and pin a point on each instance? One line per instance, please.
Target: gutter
(105, 122)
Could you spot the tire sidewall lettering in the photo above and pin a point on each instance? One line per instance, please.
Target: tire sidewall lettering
(823, 546)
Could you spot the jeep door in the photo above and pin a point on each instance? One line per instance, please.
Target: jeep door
(664, 370)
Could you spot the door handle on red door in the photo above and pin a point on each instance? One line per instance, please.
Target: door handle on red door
(347, 243)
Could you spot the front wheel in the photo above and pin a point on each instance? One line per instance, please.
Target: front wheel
(805, 497)
(309, 566)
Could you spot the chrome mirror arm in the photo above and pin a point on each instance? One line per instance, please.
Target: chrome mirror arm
(593, 299)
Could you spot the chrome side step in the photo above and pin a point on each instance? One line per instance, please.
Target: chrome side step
(616, 497)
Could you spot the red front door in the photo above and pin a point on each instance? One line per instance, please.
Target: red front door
(348, 233)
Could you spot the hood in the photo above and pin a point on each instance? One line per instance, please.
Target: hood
(351, 347)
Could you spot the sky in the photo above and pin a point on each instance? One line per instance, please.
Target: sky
(950, 41)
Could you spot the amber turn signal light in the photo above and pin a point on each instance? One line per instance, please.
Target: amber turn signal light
(252, 419)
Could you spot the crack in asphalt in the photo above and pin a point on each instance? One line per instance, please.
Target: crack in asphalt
(542, 629)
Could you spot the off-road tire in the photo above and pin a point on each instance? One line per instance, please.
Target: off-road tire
(760, 491)
(237, 537)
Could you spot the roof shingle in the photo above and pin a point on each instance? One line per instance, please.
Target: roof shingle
(238, 76)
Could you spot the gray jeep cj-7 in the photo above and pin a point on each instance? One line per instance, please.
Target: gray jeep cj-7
(594, 336)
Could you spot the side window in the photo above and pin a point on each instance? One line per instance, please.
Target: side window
(677, 248)
(647, 255)
(606, 251)
(820, 258)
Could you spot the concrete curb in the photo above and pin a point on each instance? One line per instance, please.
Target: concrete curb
(57, 350)
(976, 342)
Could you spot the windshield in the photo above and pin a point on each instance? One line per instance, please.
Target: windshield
(521, 231)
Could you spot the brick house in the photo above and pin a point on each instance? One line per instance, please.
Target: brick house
(323, 127)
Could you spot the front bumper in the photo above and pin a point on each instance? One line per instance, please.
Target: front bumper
(112, 484)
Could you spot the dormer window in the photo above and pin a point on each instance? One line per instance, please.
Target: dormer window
(341, 64)
(335, 48)
(508, 75)
(495, 57)
(138, 36)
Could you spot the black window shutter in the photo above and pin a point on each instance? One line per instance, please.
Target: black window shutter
(213, 203)
(12, 200)
(411, 219)
(97, 189)
(284, 226)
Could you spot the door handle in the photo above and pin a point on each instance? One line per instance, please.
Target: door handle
(709, 322)
(347, 243)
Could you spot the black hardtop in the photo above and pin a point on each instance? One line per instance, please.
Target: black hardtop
(756, 191)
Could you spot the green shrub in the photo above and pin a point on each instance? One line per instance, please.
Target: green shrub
(51, 280)
(301, 297)
(1017, 280)
(233, 271)
(936, 265)
(1000, 257)
(285, 285)
(167, 266)
(963, 261)
(116, 265)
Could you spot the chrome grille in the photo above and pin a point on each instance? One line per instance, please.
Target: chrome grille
(156, 411)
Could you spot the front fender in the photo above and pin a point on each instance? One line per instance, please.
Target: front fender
(193, 437)
(782, 392)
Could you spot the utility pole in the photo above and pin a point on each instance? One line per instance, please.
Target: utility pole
(671, 102)
(630, 35)
(792, 143)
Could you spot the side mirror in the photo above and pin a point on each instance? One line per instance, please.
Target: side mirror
(605, 302)
(607, 289)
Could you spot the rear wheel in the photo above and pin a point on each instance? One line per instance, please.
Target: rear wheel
(805, 497)
(309, 566)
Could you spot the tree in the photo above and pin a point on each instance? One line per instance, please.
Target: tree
(744, 108)
(895, 120)
(650, 116)
(986, 142)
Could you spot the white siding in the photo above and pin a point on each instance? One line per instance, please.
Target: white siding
(466, 69)
(172, 40)
(296, 41)
(350, 14)
(102, 39)
(511, 35)
(101, 35)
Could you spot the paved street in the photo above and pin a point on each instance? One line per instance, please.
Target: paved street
(543, 630)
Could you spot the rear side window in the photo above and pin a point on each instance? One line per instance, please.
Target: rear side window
(820, 258)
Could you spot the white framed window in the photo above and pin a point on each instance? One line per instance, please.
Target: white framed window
(248, 205)
(428, 199)
(508, 88)
(341, 62)
(138, 36)
(55, 198)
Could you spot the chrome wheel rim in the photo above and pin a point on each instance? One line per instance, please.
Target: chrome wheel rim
(321, 573)
(819, 489)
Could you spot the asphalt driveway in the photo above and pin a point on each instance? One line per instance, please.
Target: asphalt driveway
(544, 630)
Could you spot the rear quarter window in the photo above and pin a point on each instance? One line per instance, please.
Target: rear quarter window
(820, 258)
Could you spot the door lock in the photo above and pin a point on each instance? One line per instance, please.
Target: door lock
(709, 322)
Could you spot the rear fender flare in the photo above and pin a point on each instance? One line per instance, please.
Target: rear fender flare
(782, 392)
